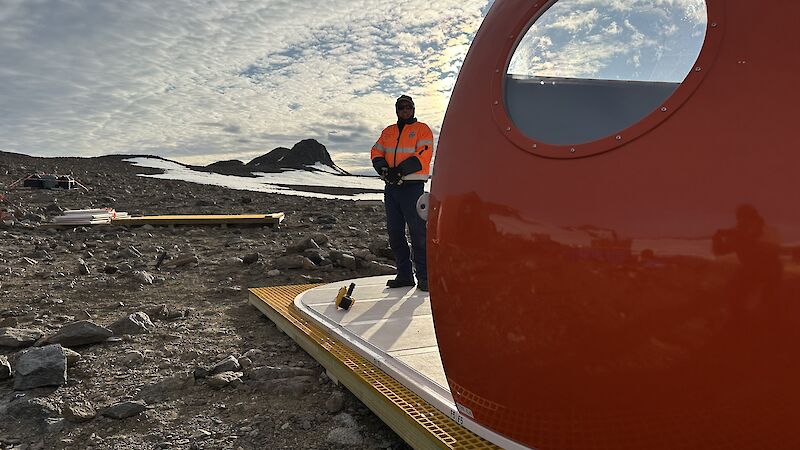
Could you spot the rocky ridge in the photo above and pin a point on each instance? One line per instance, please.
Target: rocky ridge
(302, 156)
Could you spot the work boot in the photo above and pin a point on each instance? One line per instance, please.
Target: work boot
(422, 285)
(400, 282)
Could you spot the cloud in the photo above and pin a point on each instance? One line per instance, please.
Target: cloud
(643, 40)
(200, 80)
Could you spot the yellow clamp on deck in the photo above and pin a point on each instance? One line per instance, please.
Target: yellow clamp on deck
(421, 425)
(344, 298)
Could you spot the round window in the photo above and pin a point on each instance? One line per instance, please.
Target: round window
(588, 69)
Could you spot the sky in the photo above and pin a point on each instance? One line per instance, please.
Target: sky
(199, 81)
(632, 40)
(205, 80)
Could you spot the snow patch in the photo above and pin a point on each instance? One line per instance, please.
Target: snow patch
(277, 183)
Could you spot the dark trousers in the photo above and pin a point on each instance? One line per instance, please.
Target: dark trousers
(401, 210)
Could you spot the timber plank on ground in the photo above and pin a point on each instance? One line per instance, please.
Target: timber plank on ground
(201, 219)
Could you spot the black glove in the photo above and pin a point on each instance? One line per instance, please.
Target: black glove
(394, 176)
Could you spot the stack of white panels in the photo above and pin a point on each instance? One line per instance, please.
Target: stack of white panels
(88, 216)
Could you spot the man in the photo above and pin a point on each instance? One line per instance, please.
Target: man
(402, 157)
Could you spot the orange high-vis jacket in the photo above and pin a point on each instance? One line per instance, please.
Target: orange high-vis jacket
(411, 151)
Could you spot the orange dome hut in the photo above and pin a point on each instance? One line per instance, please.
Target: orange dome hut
(613, 263)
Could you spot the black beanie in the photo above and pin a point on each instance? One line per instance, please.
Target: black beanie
(402, 99)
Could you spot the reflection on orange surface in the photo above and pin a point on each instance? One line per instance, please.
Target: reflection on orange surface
(595, 336)
(758, 279)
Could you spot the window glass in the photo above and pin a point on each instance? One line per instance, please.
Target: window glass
(587, 69)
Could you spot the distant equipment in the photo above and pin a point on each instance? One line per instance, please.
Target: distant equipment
(48, 181)
(344, 298)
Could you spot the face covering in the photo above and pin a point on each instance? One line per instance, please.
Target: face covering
(401, 123)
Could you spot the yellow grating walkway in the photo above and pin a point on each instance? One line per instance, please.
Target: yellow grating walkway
(417, 422)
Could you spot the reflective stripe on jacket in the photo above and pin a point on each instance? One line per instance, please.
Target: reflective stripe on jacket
(416, 142)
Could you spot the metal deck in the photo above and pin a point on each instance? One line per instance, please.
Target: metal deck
(419, 423)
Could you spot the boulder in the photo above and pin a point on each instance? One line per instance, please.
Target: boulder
(245, 362)
(347, 261)
(143, 277)
(229, 364)
(83, 268)
(124, 410)
(223, 379)
(73, 357)
(345, 436)
(79, 411)
(254, 354)
(32, 411)
(132, 358)
(316, 255)
(5, 368)
(200, 372)
(184, 260)
(136, 323)
(363, 254)
(321, 239)
(166, 389)
(300, 247)
(163, 312)
(381, 248)
(292, 262)
(335, 403)
(251, 258)
(40, 367)
(308, 264)
(18, 337)
(79, 333)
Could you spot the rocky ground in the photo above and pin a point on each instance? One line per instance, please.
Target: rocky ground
(102, 349)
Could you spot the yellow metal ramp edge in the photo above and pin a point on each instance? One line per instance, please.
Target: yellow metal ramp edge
(421, 425)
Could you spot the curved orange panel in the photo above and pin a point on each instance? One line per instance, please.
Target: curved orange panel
(643, 293)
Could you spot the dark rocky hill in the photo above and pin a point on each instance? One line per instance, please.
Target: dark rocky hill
(302, 156)
(305, 153)
(229, 167)
(270, 161)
